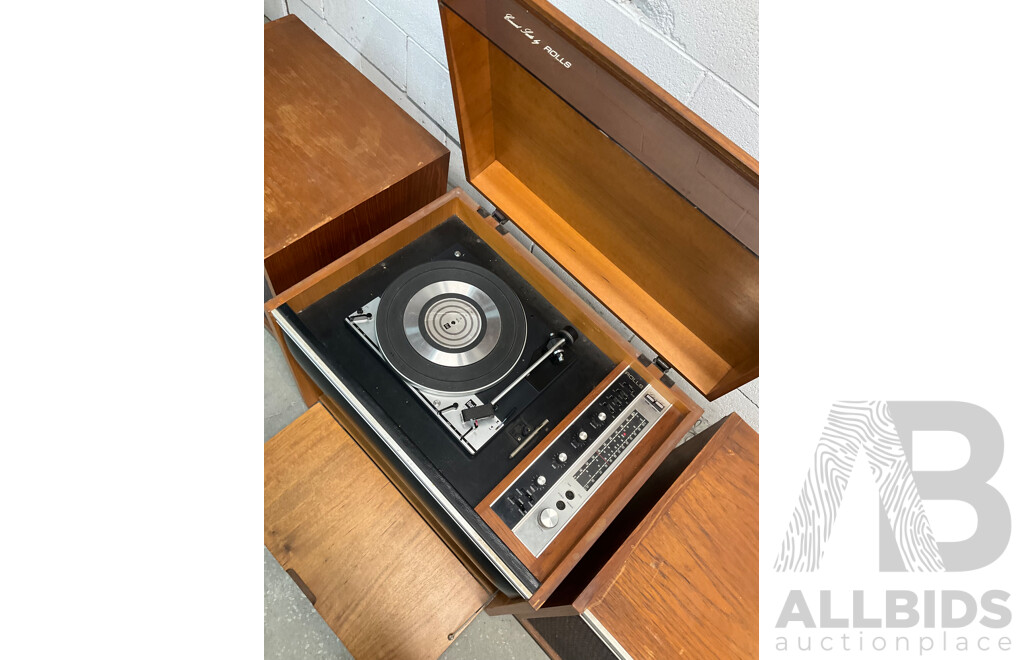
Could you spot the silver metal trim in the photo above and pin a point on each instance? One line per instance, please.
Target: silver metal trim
(401, 455)
(529, 370)
(605, 636)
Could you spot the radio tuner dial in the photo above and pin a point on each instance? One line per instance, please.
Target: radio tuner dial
(548, 518)
(541, 480)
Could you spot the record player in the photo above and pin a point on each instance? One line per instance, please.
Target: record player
(512, 415)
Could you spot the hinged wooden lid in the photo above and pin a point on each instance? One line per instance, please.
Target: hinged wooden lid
(638, 198)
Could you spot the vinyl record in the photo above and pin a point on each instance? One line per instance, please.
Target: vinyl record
(451, 327)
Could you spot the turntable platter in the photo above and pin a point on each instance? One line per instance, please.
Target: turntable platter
(451, 327)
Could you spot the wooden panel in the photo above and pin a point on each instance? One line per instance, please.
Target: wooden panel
(581, 60)
(685, 583)
(657, 326)
(688, 288)
(328, 241)
(335, 147)
(383, 581)
(472, 91)
(406, 488)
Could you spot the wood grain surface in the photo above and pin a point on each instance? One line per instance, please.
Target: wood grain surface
(685, 583)
(341, 160)
(674, 276)
(383, 581)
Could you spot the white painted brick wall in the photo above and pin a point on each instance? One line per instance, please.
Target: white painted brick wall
(370, 32)
(274, 9)
(430, 87)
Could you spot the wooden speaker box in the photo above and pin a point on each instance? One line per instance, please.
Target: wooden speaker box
(341, 160)
(639, 200)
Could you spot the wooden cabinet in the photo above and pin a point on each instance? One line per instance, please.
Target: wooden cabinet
(342, 162)
(634, 196)
(377, 573)
(388, 447)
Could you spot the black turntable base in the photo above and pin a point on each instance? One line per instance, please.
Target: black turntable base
(452, 320)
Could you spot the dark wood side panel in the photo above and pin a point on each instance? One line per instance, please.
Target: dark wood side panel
(316, 249)
(341, 160)
(380, 577)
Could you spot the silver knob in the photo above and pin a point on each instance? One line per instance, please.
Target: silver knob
(582, 435)
(563, 457)
(541, 480)
(548, 518)
(601, 416)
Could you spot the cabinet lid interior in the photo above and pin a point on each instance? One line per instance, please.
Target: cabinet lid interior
(644, 203)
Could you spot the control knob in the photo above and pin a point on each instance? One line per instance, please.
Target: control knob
(601, 416)
(563, 457)
(541, 480)
(548, 518)
(582, 435)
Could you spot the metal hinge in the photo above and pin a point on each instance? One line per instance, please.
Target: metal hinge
(660, 363)
(501, 219)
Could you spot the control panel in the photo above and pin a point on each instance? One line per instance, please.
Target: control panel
(559, 482)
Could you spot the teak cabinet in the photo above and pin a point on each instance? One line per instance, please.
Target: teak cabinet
(342, 161)
(650, 209)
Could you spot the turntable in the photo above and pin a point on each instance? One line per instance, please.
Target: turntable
(513, 416)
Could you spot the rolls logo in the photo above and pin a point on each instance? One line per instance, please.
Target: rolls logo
(882, 431)
(535, 40)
